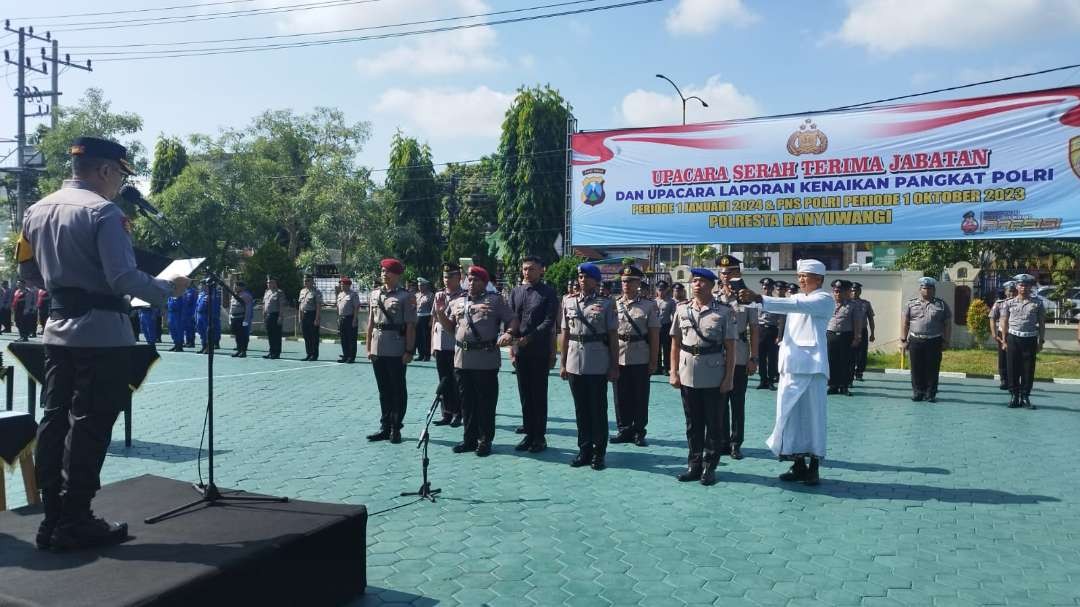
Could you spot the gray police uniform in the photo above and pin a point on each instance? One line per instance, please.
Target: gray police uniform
(424, 303)
(390, 313)
(925, 340)
(272, 320)
(589, 318)
(76, 244)
(348, 306)
(1023, 317)
(478, 323)
(309, 304)
(665, 307)
(443, 346)
(1002, 358)
(746, 317)
(241, 311)
(636, 318)
(858, 363)
(840, 333)
(704, 334)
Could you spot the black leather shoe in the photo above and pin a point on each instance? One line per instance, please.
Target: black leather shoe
(693, 473)
(811, 477)
(640, 441)
(86, 532)
(463, 448)
(931, 398)
(1025, 402)
(519, 430)
(524, 444)
(241, 354)
(763, 386)
(234, 354)
(582, 459)
(538, 446)
(342, 359)
(736, 452)
(1014, 403)
(917, 397)
(378, 436)
(267, 356)
(832, 390)
(483, 450)
(598, 463)
(395, 437)
(797, 472)
(306, 358)
(772, 386)
(620, 438)
(456, 422)
(1003, 386)
(708, 475)
(442, 422)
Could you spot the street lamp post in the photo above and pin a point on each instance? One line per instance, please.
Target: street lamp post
(684, 99)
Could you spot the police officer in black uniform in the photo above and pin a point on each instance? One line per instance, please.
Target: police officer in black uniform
(536, 309)
(768, 340)
(869, 327)
(76, 243)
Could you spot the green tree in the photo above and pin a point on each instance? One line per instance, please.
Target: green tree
(563, 271)
(978, 322)
(469, 211)
(412, 191)
(170, 159)
(92, 116)
(933, 256)
(271, 259)
(531, 177)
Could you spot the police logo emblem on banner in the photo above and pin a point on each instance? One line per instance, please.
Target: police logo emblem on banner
(592, 186)
(807, 140)
(969, 225)
(1074, 155)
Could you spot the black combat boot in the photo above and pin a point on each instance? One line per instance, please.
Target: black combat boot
(1025, 402)
(1014, 403)
(78, 528)
(811, 477)
(583, 458)
(708, 474)
(693, 473)
(54, 508)
(797, 472)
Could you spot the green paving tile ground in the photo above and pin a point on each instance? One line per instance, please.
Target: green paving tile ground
(960, 503)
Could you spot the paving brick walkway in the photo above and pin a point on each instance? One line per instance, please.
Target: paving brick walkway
(964, 502)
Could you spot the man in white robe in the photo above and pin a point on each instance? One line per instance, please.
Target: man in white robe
(799, 434)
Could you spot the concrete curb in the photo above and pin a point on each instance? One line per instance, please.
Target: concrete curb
(959, 375)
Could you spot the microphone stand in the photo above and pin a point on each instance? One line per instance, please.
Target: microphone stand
(209, 494)
(425, 492)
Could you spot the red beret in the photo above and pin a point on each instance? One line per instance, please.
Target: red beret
(393, 265)
(346, 280)
(480, 273)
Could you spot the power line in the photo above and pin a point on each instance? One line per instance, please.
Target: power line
(130, 11)
(143, 55)
(338, 31)
(170, 19)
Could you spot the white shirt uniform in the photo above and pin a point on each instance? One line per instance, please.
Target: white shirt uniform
(804, 373)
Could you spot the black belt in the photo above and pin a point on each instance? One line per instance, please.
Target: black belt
(631, 338)
(839, 332)
(584, 339)
(742, 336)
(386, 326)
(72, 302)
(697, 350)
(468, 346)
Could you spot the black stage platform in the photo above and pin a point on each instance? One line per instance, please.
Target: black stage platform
(295, 553)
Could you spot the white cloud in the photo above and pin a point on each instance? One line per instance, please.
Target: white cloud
(890, 26)
(440, 113)
(649, 108)
(705, 16)
(459, 51)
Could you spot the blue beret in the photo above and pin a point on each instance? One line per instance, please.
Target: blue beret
(703, 273)
(591, 270)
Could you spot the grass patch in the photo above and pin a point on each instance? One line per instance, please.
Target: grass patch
(984, 362)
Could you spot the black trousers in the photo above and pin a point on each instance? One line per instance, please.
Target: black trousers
(533, 365)
(25, 324)
(925, 364)
(85, 390)
(858, 362)
(590, 412)
(347, 334)
(451, 400)
(632, 404)
(664, 355)
(478, 390)
(735, 404)
(1021, 360)
(768, 354)
(241, 333)
(311, 333)
(423, 338)
(706, 424)
(1003, 364)
(840, 352)
(393, 394)
(5, 320)
(273, 332)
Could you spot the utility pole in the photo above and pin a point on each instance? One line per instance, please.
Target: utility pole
(23, 92)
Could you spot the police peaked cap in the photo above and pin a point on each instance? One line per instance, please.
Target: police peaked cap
(632, 272)
(451, 268)
(766, 282)
(841, 284)
(728, 261)
(926, 281)
(856, 285)
(1009, 284)
(1024, 279)
(781, 284)
(662, 284)
(94, 147)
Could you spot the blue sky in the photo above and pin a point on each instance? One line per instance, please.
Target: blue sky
(744, 58)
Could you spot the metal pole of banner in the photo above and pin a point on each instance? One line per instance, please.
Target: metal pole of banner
(571, 128)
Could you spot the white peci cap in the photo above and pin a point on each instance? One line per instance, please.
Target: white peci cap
(810, 266)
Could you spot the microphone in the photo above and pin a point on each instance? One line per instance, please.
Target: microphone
(133, 196)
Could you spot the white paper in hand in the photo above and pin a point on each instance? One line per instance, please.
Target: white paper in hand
(179, 267)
